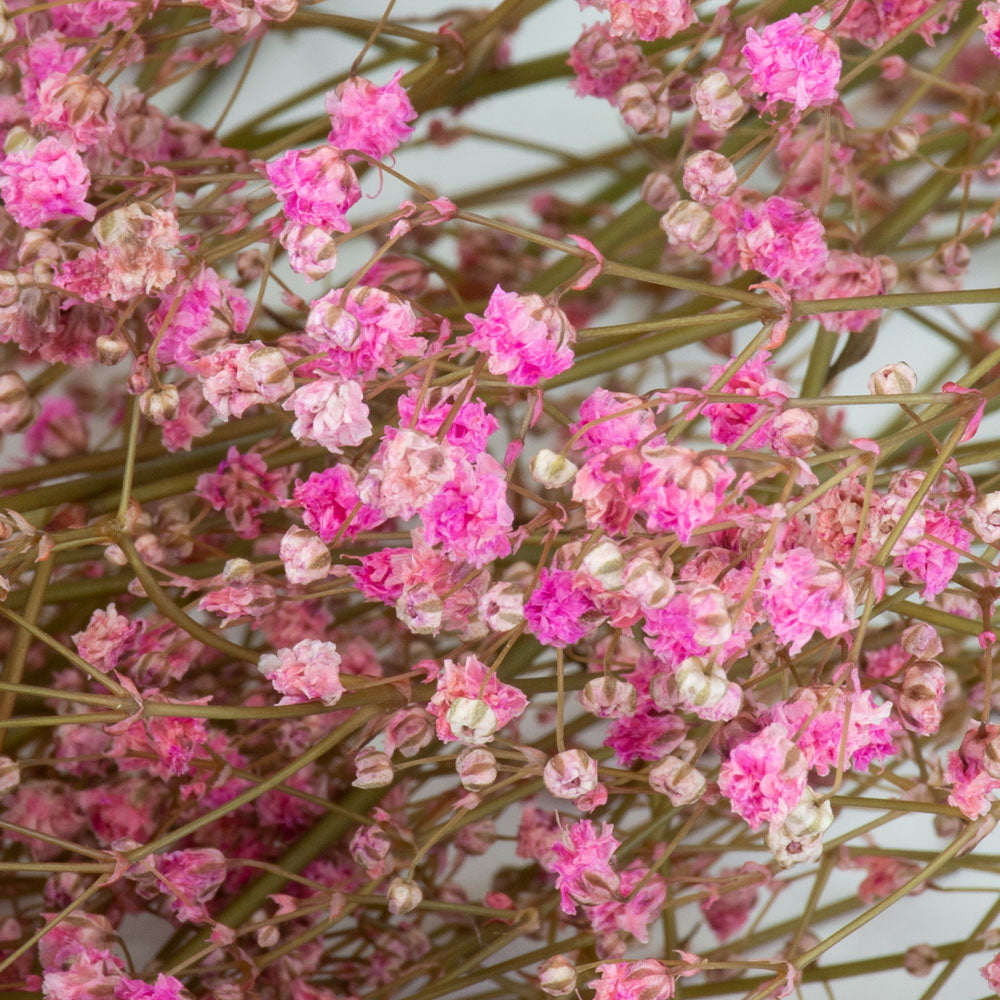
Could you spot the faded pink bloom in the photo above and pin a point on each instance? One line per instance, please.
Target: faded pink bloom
(367, 118)
(709, 177)
(794, 62)
(309, 670)
(316, 187)
(921, 693)
(764, 777)
(991, 973)
(730, 421)
(570, 774)
(991, 29)
(729, 911)
(632, 913)
(929, 561)
(311, 250)
(874, 22)
(329, 498)
(90, 974)
(164, 988)
(582, 865)
(783, 240)
(75, 106)
(465, 680)
(408, 471)
(44, 184)
(244, 489)
(846, 276)
(972, 785)
(648, 19)
(58, 431)
(331, 412)
(230, 383)
(241, 603)
(106, 638)
(603, 64)
(304, 555)
(717, 101)
(525, 337)
(647, 979)
(191, 878)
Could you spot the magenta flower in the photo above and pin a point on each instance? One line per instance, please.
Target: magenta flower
(560, 611)
(367, 118)
(44, 184)
(783, 240)
(316, 187)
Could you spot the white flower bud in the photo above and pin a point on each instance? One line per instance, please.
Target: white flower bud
(403, 895)
(160, 405)
(892, 380)
(680, 781)
(689, 224)
(902, 142)
(477, 768)
(552, 470)
(557, 976)
(605, 563)
(373, 769)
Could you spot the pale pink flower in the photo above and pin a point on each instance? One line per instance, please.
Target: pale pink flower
(233, 380)
(991, 973)
(74, 106)
(465, 681)
(525, 337)
(794, 62)
(612, 420)
(632, 913)
(304, 555)
(921, 693)
(58, 431)
(730, 421)
(164, 988)
(764, 776)
(648, 19)
(311, 250)
(991, 29)
(316, 187)
(647, 979)
(246, 602)
(106, 638)
(331, 412)
(88, 975)
(244, 489)
(874, 22)
(729, 910)
(44, 184)
(717, 101)
(972, 785)
(709, 177)
(783, 240)
(603, 64)
(582, 865)
(570, 774)
(309, 670)
(367, 118)
(407, 472)
(846, 276)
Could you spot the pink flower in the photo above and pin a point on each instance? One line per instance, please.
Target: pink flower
(603, 64)
(470, 426)
(309, 670)
(644, 980)
(612, 420)
(240, 376)
(191, 878)
(44, 184)
(783, 240)
(991, 28)
(408, 471)
(972, 786)
(244, 488)
(88, 975)
(525, 338)
(794, 62)
(800, 594)
(329, 498)
(730, 421)
(465, 680)
(330, 411)
(304, 555)
(764, 777)
(58, 431)
(928, 560)
(874, 22)
(365, 331)
(847, 276)
(991, 973)
(560, 611)
(470, 517)
(106, 638)
(165, 988)
(75, 106)
(645, 736)
(729, 910)
(582, 865)
(367, 118)
(632, 913)
(316, 187)
(649, 19)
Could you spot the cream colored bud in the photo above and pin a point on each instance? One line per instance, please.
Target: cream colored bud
(552, 470)
(160, 405)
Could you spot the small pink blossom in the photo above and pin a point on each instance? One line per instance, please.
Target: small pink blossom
(329, 499)
(244, 488)
(408, 471)
(649, 19)
(309, 670)
(164, 988)
(106, 638)
(846, 276)
(783, 240)
(316, 187)
(367, 118)
(45, 183)
(582, 865)
(764, 777)
(525, 338)
(794, 62)
(603, 64)
(331, 412)
(644, 980)
(560, 611)
(466, 680)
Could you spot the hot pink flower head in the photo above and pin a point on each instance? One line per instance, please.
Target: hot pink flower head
(794, 62)
(465, 680)
(603, 64)
(367, 118)
(106, 638)
(729, 421)
(191, 878)
(365, 331)
(560, 610)
(44, 184)
(470, 426)
(991, 27)
(972, 785)
(764, 777)
(316, 187)
(470, 517)
(929, 561)
(783, 240)
(800, 595)
(618, 419)
(582, 864)
(330, 411)
(310, 669)
(525, 338)
(329, 498)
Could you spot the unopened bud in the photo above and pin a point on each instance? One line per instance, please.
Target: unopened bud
(570, 774)
(304, 555)
(17, 405)
(680, 781)
(809, 817)
(901, 142)
(984, 516)
(644, 110)
(920, 959)
(477, 768)
(502, 606)
(659, 190)
(19, 140)
(709, 177)
(557, 976)
(158, 405)
(10, 775)
(472, 721)
(269, 368)
(111, 349)
(920, 697)
(373, 769)
(646, 583)
(921, 640)
(9, 288)
(892, 380)
(552, 470)
(795, 431)
(609, 698)
(268, 936)
(691, 225)
(718, 101)
(403, 895)
(605, 563)
(238, 572)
